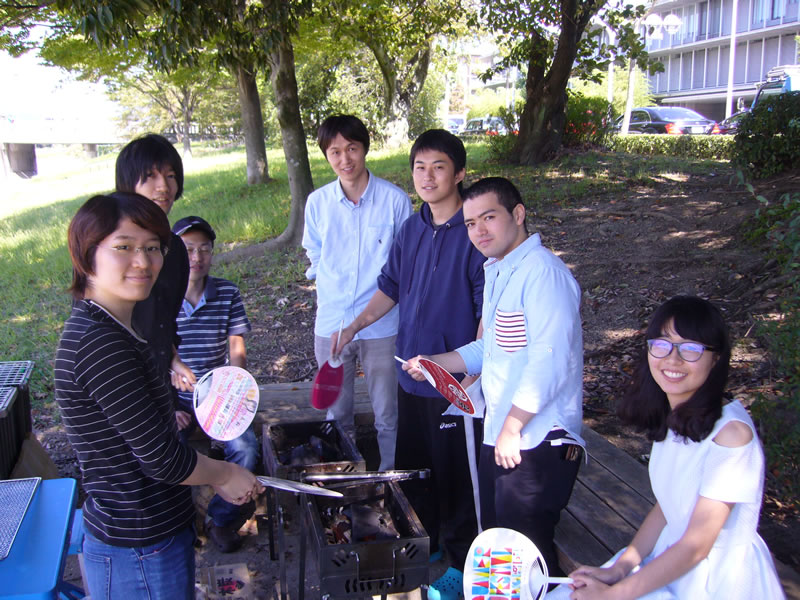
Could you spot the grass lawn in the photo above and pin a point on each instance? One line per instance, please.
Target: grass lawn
(35, 266)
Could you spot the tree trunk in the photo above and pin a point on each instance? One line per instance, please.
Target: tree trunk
(541, 126)
(284, 85)
(253, 124)
(402, 84)
(187, 142)
(542, 121)
(396, 129)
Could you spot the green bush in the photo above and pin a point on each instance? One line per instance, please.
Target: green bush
(500, 146)
(587, 121)
(768, 139)
(779, 415)
(688, 146)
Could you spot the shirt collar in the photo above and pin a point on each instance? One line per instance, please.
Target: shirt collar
(210, 292)
(97, 310)
(369, 191)
(512, 260)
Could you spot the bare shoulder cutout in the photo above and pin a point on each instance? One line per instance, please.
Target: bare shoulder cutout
(734, 434)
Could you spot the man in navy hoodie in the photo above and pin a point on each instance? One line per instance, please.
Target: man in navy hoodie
(435, 275)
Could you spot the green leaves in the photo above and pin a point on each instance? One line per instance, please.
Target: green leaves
(768, 139)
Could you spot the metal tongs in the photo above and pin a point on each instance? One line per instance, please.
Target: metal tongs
(347, 479)
(296, 487)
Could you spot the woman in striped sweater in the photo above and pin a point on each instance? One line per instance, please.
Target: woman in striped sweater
(118, 412)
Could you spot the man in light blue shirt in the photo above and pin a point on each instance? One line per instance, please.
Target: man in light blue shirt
(350, 224)
(531, 363)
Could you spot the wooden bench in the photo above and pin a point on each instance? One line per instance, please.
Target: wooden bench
(611, 497)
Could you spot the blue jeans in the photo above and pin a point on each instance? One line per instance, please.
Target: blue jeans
(243, 451)
(161, 571)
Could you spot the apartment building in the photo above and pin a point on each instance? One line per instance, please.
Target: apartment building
(696, 57)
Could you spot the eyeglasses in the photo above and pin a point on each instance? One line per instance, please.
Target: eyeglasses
(200, 250)
(688, 351)
(130, 251)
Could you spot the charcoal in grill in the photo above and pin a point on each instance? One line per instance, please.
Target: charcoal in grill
(316, 450)
(291, 448)
(359, 522)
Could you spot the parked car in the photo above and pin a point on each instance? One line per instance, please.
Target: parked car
(731, 124)
(779, 80)
(454, 124)
(674, 120)
(484, 126)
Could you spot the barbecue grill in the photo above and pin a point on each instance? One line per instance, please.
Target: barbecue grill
(288, 451)
(15, 411)
(360, 567)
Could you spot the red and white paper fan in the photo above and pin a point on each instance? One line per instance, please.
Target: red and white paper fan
(447, 385)
(225, 402)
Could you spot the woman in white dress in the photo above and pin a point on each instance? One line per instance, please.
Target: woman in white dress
(699, 541)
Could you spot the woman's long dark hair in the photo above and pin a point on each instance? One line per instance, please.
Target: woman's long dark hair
(644, 404)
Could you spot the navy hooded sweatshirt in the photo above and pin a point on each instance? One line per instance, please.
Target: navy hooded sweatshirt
(435, 275)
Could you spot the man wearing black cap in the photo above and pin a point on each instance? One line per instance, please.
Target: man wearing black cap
(211, 325)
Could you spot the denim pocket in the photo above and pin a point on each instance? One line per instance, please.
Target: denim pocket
(146, 551)
(98, 575)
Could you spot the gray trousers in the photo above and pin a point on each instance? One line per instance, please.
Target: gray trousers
(377, 361)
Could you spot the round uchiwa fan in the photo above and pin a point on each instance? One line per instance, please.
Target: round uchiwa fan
(503, 563)
(225, 402)
(328, 381)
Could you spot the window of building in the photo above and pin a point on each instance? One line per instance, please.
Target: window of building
(714, 17)
(759, 8)
(689, 24)
(702, 20)
(791, 11)
(777, 9)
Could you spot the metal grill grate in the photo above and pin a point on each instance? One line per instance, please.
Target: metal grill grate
(15, 372)
(15, 496)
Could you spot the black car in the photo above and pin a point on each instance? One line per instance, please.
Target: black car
(731, 124)
(483, 126)
(667, 119)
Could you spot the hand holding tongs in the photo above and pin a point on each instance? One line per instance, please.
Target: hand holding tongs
(367, 477)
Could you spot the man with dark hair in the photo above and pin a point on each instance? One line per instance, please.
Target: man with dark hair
(212, 324)
(531, 363)
(151, 167)
(349, 227)
(435, 276)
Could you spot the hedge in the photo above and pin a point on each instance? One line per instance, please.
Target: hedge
(689, 146)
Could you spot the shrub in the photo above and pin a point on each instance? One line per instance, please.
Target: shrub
(500, 146)
(689, 146)
(768, 139)
(779, 416)
(587, 121)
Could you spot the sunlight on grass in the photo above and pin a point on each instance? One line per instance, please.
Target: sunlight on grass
(678, 177)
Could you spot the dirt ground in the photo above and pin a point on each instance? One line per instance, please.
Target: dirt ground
(630, 251)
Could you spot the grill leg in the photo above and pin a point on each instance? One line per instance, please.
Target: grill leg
(301, 591)
(271, 502)
(282, 550)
